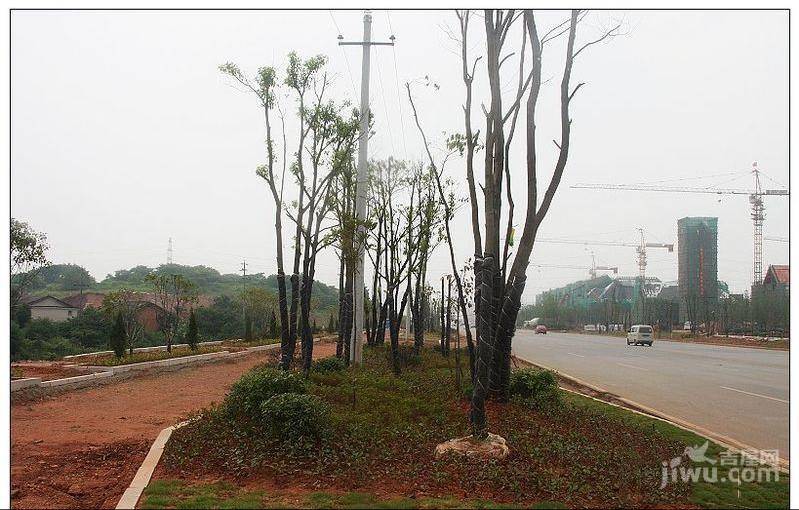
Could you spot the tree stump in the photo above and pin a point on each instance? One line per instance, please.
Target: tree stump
(492, 447)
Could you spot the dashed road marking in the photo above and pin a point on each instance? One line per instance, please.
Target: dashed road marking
(755, 394)
(578, 355)
(632, 366)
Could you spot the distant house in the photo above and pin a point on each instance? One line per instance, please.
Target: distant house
(85, 300)
(150, 311)
(49, 307)
(778, 276)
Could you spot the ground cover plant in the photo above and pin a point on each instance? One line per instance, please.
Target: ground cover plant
(109, 360)
(380, 432)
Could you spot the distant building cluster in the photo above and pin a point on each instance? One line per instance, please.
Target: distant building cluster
(693, 301)
(61, 309)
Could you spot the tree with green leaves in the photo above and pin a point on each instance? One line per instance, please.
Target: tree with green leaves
(272, 325)
(127, 305)
(325, 133)
(174, 294)
(264, 88)
(28, 257)
(191, 331)
(117, 338)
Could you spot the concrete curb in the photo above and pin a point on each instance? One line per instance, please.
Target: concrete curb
(154, 348)
(144, 365)
(74, 380)
(18, 384)
(130, 498)
(721, 439)
(103, 372)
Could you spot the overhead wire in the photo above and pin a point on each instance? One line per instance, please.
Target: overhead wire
(396, 84)
(385, 106)
(346, 58)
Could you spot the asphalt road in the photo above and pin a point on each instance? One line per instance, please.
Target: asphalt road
(738, 392)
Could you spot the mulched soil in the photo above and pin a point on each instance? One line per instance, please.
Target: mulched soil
(577, 457)
(81, 449)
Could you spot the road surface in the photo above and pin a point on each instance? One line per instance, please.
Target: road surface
(739, 392)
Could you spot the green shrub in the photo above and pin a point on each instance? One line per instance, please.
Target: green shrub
(118, 339)
(17, 337)
(331, 364)
(257, 386)
(537, 387)
(191, 334)
(291, 416)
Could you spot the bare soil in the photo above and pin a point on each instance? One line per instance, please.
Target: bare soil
(81, 449)
(752, 342)
(46, 370)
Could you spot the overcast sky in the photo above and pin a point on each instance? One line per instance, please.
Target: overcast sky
(125, 134)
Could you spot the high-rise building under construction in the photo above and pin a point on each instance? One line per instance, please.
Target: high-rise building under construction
(697, 239)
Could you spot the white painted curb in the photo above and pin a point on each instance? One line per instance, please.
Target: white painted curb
(138, 349)
(722, 440)
(74, 380)
(134, 491)
(143, 365)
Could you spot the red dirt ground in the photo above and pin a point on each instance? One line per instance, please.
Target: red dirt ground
(81, 449)
(47, 371)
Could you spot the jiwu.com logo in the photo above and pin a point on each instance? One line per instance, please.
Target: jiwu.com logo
(746, 466)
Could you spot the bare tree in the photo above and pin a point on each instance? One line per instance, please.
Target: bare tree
(499, 283)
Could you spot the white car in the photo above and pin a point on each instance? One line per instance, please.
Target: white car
(640, 334)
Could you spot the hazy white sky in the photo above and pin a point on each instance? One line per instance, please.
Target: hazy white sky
(125, 134)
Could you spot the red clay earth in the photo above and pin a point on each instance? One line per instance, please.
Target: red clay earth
(81, 449)
(47, 370)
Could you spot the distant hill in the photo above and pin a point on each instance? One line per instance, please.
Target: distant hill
(65, 279)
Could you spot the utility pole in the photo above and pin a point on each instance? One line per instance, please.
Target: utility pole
(356, 343)
(169, 253)
(244, 292)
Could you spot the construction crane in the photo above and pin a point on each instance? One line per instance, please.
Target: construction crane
(592, 270)
(755, 201)
(640, 248)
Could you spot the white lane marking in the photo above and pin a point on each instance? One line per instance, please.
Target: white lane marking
(755, 394)
(578, 355)
(631, 366)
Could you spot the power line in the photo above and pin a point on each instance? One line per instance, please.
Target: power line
(346, 59)
(385, 105)
(396, 84)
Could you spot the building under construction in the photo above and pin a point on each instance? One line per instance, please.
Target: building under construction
(697, 255)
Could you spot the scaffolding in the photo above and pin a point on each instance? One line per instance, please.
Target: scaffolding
(697, 239)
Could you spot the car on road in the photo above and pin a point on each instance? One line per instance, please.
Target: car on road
(640, 334)
(541, 329)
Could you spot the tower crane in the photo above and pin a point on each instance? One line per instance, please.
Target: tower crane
(592, 270)
(755, 200)
(640, 248)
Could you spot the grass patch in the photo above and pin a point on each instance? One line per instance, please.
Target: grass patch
(175, 494)
(384, 429)
(109, 360)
